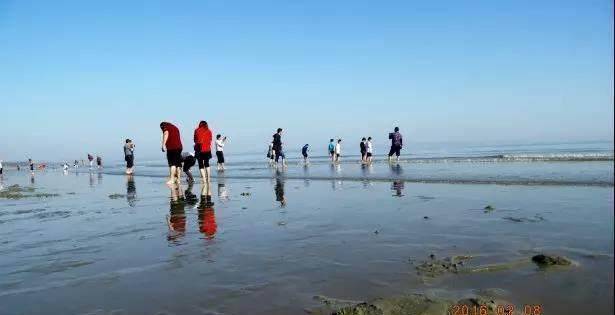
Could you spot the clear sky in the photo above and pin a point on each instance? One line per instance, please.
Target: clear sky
(81, 76)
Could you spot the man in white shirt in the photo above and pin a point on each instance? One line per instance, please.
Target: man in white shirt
(338, 150)
(220, 141)
(370, 150)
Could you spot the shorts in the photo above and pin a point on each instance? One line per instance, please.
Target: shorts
(395, 149)
(203, 159)
(32, 167)
(1, 170)
(174, 157)
(363, 153)
(304, 155)
(369, 154)
(188, 163)
(220, 156)
(130, 161)
(280, 154)
(331, 152)
(338, 155)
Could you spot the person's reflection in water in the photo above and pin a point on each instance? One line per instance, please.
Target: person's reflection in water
(279, 191)
(207, 215)
(397, 170)
(398, 187)
(176, 219)
(91, 179)
(99, 178)
(191, 198)
(306, 174)
(131, 191)
(32, 178)
(222, 191)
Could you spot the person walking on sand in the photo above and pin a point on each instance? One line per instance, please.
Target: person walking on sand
(270, 154)
(220, 142)
(91, 160)
(396, 143)
(202, 149)
(277, 147)
(129, 149)
(369, 150)
(98, 161)
(188, 161)
(363, 149)
(304, 152)
(331, 150)
(338, 150)
(172, 145)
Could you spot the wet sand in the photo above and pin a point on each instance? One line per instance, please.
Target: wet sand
(115, 245)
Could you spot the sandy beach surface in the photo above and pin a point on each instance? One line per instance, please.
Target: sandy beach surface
(94, 243)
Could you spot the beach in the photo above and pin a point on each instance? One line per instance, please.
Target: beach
(286, 241)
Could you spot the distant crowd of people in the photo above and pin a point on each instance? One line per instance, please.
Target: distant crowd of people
(180, 161)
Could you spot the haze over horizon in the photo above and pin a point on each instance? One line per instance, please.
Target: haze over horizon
(81, 77)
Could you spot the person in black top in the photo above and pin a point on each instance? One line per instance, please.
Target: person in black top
(277, 147)
(363, 149)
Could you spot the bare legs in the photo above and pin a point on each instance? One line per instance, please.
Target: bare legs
(174, 175)
(205, 174)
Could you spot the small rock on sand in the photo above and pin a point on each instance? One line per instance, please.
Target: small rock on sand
(543, 260)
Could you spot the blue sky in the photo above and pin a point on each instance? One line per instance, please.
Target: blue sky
(81, 76)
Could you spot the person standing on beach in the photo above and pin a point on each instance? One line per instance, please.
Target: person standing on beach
(331, 150)
(129, 157)
(31, 165)
(99, 161)
(396, 143)
(172, 144)
(277, 147)
(220, 141)
(338, 150)
(188, 161)
(1, 168)
(91, 160)
(270, 153)
(363, 149)
(304, 152)
(76, 164)
(202, 149)
(370, 150)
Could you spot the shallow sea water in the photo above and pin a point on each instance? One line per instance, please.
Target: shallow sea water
(116, 245)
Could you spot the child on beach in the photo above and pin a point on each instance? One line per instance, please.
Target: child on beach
(363, 149)
(370, 150)
(188, 161)
(331, 149)
(220, 141)
(129, 149)
(304, 152)
(338, 150)
(98, 161)
(270, 153)
(91, 160)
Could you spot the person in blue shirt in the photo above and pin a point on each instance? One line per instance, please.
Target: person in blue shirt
(332, 150)
(304, 152)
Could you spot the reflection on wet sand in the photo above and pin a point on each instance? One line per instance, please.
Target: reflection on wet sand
(279, 191)
(131, 191)
(398, 187)
(91, 179)
(99, 177)
(223, 194)
(207, 215)
(191, 198)
(176, 219)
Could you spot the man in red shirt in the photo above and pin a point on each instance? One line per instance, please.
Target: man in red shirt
(172, 144)
(202, 149)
